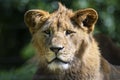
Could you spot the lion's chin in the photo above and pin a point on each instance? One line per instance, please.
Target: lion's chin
(55, 65)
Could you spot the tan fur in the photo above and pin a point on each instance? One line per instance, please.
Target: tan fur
(65, 47)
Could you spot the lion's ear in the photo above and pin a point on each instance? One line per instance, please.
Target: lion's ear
(86, 17)
(34, 19)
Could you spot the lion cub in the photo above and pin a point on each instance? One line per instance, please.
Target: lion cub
(66, 49)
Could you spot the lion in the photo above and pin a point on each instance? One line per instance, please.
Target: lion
(66, 49)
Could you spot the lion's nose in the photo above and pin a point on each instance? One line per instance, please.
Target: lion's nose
(56, 49)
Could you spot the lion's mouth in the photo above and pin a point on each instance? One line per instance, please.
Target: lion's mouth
(57, 60)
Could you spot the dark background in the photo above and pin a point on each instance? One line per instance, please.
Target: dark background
(15, 46)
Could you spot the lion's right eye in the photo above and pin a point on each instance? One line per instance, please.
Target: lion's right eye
(47, 32)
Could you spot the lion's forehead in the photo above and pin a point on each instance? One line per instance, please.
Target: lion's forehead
(59, 19)
(59, 23)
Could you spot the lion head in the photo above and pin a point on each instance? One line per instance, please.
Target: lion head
(61, 38)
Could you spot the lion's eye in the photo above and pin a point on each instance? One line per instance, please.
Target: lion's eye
(47, 32)
(68, 32)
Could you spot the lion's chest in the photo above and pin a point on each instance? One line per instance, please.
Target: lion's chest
(67, 75)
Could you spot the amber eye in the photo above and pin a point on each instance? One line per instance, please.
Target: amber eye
(47, 32)
(68, 32)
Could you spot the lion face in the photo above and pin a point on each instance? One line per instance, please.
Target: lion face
(60, 42)
(60, 37)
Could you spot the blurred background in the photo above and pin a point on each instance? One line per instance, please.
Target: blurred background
(15, 46)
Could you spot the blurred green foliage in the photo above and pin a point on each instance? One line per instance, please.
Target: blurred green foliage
(24, 73)
(27, 51)
(15, 47)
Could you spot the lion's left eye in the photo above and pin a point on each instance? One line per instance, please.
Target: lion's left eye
(68, 32)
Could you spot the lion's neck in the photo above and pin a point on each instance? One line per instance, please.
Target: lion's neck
(76, 72)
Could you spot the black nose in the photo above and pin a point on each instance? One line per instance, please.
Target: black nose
(56, 49)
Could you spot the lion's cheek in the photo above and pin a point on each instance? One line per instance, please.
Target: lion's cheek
(74, 44)
(50, 56)
(39, 42)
